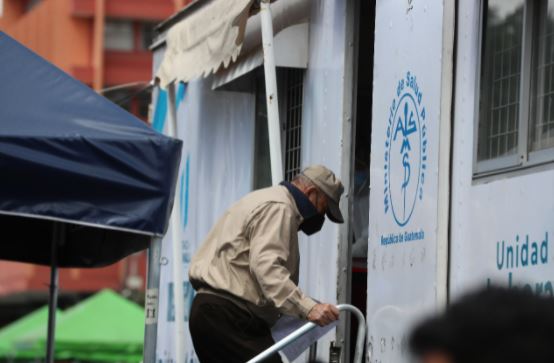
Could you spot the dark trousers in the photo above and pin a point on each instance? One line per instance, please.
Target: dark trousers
(223, 332)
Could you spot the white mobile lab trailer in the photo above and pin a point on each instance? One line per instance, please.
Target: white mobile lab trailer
(437, 115)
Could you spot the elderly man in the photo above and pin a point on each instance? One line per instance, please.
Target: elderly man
(246, 271)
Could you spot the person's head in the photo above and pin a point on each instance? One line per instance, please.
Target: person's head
(323, 189)
(493, 325)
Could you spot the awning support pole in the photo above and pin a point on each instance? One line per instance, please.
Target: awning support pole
(271, 94)
(177, 246)
(58, 233)
(151, 301)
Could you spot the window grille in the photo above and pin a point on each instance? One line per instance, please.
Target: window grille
(501, 73)
(542, 124)
(294, 79)
(262, 161)
(290, 89)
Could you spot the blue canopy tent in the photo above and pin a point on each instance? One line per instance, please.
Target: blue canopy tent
(83, 183)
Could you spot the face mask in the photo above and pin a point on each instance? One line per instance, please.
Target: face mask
(313, 224)
(313, 221)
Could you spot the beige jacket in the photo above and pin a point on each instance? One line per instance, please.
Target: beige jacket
(252, 253)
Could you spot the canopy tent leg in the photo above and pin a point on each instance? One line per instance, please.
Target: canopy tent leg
(58, 233)
(274, 129)
(151, 301)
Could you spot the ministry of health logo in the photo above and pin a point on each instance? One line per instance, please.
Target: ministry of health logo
(405, 151)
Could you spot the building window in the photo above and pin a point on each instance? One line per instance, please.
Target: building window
(516, 123)
(293, 82)
(31, 4)
(118, 35)
(541, 132)
(500, 87)
(262, 160)
(290, 92)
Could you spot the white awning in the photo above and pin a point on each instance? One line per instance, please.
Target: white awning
(291, 51)
(216, 33)
(205, 39)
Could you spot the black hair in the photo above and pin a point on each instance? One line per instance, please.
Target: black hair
(491, 325)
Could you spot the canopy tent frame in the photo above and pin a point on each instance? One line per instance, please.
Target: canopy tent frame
(58, 234)
(151, 302)
(107, 180)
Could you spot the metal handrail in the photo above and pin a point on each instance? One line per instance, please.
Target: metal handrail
(309, 326)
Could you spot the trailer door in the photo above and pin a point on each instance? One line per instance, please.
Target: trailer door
(409, 170)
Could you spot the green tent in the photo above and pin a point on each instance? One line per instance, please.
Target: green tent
(103, 328)
(31, 324)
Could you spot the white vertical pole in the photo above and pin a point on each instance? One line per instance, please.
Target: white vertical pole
(271, 94)
(177, 247)
(152, 300)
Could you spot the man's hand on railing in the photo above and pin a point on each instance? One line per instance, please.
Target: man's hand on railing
(320, 309)
(323, 314)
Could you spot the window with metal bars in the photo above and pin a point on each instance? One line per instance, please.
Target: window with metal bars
(541, 133)
(516, 105)
(293, 81)
(290, 91)
(262, 161)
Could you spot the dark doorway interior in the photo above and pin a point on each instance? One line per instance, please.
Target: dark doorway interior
(362, 151)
